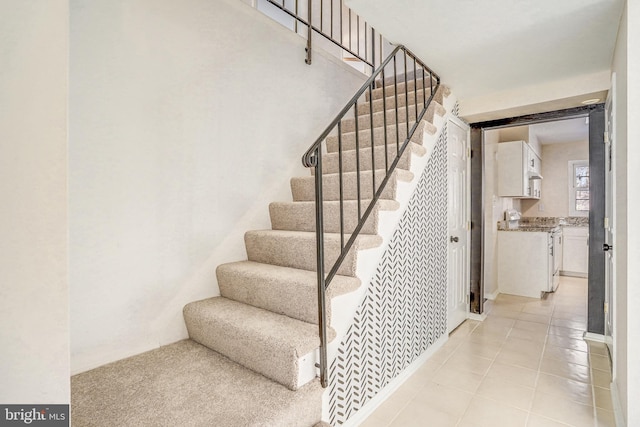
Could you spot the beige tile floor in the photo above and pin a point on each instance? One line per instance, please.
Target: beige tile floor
(525, 365)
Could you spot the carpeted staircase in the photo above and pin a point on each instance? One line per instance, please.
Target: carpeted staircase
(250, 359)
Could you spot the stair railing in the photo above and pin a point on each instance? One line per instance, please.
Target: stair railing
(388, 84)
(338, 24)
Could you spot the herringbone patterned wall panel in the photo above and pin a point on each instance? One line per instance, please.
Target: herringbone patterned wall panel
(404, 311)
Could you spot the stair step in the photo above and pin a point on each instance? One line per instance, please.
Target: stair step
(389, 91)
(364, 136)
(268, 343)
(297, 249)
(303, 188)
(364, 119)
(300, 216)
(186, 383)
(282, 290)
(331, 161)
(442, 92)
(390, 102)
(411, 84)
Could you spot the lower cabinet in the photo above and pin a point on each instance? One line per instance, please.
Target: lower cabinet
(524, 265)
(575, 251)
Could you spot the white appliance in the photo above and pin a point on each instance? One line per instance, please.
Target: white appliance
(512, 218)
(555, 255)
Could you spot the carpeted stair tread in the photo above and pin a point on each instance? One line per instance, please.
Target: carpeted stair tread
(331, 161)
(300, 216)
(365, 119)
(297, 249)
(411, 84)
(303, 188)
(364, 136)
(188, 384)
(442, 92)
(266, 342)
(289, 291)
(390, 102)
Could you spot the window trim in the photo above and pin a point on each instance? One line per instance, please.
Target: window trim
(572, 187)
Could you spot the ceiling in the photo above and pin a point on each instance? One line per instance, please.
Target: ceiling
(571, 130)
(482, 47)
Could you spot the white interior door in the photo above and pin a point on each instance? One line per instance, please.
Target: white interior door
(458, 210)
(609, 246)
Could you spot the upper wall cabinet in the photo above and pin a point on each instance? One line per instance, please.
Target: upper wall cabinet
(518, 170)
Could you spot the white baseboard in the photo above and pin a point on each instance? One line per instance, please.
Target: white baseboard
(492, 296)
(476, 316)
(369, 407)
(589, 336)
(617, 406)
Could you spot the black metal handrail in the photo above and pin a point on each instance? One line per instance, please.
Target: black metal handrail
(312, 158)
(332, 24)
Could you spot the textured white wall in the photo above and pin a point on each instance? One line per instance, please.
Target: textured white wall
(626, 62)
(633, 207)
(545, 96)
(494, 205)
(34, 336)
(186, 119)
(555, 185)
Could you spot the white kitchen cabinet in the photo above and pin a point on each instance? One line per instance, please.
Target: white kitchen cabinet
(517, 163)
(575, 251)
(524, 265)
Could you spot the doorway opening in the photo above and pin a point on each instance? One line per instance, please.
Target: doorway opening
(588, 191)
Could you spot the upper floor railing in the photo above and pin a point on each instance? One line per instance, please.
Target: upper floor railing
(338, 25)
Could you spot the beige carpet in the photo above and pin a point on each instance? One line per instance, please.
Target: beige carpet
(241, 366)
(186, 384)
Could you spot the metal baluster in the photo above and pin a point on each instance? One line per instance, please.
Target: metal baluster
(415, 87)
(406, 92)
(350, 41)
(355, 111)
(384, 119)
(309, 34)
(331, 19)
(373, 155)
(431, 82)
(321, 15)
(322, 313)
(373, 50)
(358, 33)
(424, 89)
(381, 48)
(395, 89)
(296, 20)
(340, 178)
(365, 43)
(341, 23)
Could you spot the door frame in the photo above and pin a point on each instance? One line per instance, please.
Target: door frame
(610, 186)
(465, 126)
(595, 113)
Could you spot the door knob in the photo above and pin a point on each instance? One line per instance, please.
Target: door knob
(453, 239)
(607, 247)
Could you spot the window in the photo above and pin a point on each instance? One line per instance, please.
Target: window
(579, 188)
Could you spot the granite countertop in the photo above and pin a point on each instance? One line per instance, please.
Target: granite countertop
(544, 224)
(530, 228)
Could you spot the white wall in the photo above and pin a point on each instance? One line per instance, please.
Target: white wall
(186, 119)
(535, 98)
(555, 185)
(494, 207)
(620, 333)
(626, 62)
(34, 337)
(633, 207)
